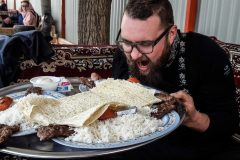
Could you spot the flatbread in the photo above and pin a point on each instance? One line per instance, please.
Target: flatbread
(133, 94)
(85, 108)
(91, 115)
(39, 109)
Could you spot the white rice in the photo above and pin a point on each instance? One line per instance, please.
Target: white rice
(14, 115)
(118, 129)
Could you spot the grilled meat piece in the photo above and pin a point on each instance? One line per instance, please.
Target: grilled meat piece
(87, 82)
(6, 132)
(51, 131)
(37, 90)
(168, 104)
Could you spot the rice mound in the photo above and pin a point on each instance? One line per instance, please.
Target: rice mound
(118, 129)
(14, 115)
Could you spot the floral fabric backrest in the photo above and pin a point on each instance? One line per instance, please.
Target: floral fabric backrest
(234, 54)
(71, 61)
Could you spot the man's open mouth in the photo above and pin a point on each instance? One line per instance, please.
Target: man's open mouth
(143, 64)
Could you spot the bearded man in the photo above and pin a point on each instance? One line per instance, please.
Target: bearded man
(191, 66)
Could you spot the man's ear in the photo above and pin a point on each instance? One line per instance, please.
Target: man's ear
(172, 34)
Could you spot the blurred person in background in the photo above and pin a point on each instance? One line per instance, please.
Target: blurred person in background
(3, 7)
(26, 16)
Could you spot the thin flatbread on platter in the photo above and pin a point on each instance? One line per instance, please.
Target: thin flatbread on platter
(133, 94)
(84, 108)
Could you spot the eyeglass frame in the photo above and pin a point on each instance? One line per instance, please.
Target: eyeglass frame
(135, 44)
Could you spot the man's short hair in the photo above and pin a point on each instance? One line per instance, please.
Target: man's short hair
(143, 9)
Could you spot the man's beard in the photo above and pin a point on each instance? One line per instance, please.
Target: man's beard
(154, 77)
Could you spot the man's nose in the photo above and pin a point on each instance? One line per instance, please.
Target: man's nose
(135, 54)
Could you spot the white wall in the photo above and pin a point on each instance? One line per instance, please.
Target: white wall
(179, 12)
(117, 9)
(10, 4)
(36, 5)
(56, 6)
(220, 18)
(72, 21)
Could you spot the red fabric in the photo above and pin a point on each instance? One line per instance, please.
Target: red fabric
(71, 61)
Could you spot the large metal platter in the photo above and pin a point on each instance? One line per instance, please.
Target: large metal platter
(30, 146)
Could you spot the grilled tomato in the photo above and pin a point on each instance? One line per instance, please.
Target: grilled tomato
(109, 113)
(5, 103)
(133, 80)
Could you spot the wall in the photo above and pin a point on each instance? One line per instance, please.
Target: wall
(10, 4)
(72, 21)
(56, 6)
(219, 18)
(117, 9)
(36, 5)
(179, 12)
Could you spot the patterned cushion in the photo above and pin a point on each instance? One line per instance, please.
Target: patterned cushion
(234, 54)
(71, 61)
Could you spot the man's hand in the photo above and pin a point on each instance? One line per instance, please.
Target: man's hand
(194, 119)
(95, 76)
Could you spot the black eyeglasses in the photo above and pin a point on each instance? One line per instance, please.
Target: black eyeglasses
(144, 47)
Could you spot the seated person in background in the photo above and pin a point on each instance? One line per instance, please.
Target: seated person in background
(190, 66)
(26, 16)
(3, 7)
